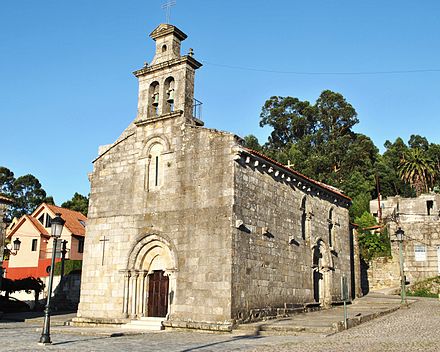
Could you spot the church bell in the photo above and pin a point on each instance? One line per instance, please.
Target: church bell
(170, 96)
(155, 99)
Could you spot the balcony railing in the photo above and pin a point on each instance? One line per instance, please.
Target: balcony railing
(197, 109)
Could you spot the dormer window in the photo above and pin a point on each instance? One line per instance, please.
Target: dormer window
(48, 222)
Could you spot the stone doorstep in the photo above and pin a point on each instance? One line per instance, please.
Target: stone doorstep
(146, 323)
(190, 325)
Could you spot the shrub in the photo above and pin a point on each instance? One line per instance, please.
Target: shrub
(69, 266)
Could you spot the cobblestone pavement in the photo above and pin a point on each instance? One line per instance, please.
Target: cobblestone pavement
(414, 329)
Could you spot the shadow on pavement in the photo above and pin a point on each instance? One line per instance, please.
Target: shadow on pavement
(23, 316)
(256, 335)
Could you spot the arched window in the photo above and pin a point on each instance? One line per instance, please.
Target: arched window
(169, 95)
(153, 99)
(155, 167)
(303, 218)
(330, 227)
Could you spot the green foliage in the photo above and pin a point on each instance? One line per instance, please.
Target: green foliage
(426, 288)
(318, 139)
(69, 266)
(251, 142)
(372, 244)
(27, 284)
(417, 169)
(79, 203)
(26, 191)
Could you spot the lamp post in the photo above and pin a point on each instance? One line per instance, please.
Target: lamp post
(57, 225)
(399, 234)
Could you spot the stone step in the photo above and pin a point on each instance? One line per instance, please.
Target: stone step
(146, 323)
(288, 329)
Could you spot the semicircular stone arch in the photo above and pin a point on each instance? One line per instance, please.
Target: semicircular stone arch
(156, 139)
(152, 257)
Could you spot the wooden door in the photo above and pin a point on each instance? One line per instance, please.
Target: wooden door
(157, 294)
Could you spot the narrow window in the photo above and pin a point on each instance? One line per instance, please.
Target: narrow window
(420, 253)
(81, 245)
(303, 218)
(34, 245)
(155, 167)
(330, 228)
(156, 176)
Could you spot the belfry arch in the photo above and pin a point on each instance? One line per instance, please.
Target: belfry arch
(150, 278)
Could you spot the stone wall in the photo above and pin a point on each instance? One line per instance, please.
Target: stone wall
(273, 264)
(419, 219)
(191, 212)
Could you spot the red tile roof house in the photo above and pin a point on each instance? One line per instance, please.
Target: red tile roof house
(34, 256)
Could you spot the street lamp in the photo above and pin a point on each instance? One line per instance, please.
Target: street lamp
(57, 225)
(399, 234)
(15, 246)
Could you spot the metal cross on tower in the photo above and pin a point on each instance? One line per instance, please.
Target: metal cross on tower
(167, 7)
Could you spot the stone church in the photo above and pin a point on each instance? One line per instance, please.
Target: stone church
(188, 225)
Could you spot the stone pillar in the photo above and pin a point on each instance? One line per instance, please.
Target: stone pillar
(142, 309)
(327, 285)
(134, 292)
(126, 293)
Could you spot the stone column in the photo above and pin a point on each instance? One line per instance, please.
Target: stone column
(141, 310)
(126, 293)
(172, 281)
(134, 297)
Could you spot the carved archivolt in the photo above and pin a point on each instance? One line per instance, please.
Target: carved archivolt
(150, 252)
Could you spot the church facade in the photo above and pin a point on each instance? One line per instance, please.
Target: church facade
(187, 224)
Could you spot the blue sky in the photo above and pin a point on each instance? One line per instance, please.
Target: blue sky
(67, 84)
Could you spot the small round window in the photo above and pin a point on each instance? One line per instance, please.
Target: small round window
(164, 48)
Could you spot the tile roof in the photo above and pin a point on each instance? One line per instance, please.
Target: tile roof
(37, 225)
(288, 169)
(40, 228)
(72, 219)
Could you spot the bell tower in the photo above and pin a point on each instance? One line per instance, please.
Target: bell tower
(166, 86)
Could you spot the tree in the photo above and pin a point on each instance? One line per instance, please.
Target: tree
(78, 203)
(28, 195)
(26, 191)
(418, 170)
(318, 139)
(251, 142)
(6, 181)
(372, 243)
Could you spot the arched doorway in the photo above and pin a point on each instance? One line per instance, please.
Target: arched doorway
(150, 279)
(322, 269)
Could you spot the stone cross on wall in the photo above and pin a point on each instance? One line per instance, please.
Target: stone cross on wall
(103, 240)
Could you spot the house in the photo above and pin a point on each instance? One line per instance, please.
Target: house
(34, 256)
(187, 225)
(4, 203)
(419, 218)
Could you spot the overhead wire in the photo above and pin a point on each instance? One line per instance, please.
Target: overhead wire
(323, 73)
